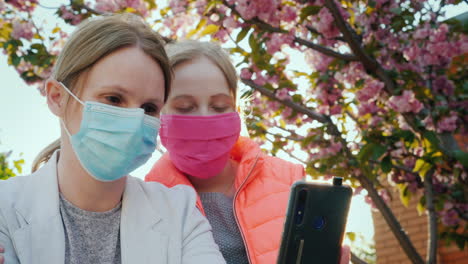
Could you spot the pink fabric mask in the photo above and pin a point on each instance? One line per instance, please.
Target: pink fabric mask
(200, 145)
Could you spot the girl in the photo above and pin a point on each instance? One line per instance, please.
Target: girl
(108, 86)
(242, 191)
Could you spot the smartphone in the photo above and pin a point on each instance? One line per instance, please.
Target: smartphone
(315, 223)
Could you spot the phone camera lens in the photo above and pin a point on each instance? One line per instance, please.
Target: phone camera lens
(318, 222)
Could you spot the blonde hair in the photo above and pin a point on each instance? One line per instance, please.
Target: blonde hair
(93, 40)
(188, 50)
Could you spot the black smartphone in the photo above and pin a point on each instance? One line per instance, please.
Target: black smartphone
(315, 223)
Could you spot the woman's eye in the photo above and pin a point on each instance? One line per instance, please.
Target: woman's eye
(115, 100)
(150, 109)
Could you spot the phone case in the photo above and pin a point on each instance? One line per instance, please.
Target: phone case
(316, 235)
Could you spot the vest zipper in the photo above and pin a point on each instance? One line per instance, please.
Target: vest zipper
(235, 210)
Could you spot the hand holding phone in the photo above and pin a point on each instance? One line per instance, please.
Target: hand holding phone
(315, 223)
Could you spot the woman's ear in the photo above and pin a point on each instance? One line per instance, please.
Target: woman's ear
(56, 97)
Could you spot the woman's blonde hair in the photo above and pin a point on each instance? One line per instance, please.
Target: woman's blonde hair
(188, 50)
(93, 40)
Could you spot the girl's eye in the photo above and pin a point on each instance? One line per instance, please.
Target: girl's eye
(220, 109)
(184, 109)
(112, 99)
(150, 109)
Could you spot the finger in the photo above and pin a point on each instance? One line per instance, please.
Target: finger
(345, 255)
(1, 259)
(2, 250)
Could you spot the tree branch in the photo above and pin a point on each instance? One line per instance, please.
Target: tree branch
(309, 44)
(432, 228)
(314, 31)
(285, 137)
(365, 181)
(325, 50)
(289, 103)
(356, 260)
(449, 144)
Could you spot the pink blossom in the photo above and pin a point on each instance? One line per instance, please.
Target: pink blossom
(24, 5)
(138, 5)
(222, 35)
(245, 11)
(335, 110)
(448, 123)
(277, 40)
(283, 94)
(69, 16)
(317, 60)
(423, 32)
(288, 13)
(200, 5)
(246, 74)
(24, 66)
(443, 86)
(323, 22)
(106, 6)
(177, 6)
(22, 30)
(371, 90)
(402, 124)
(428, 123)
(375, 121)
(230, 22)
(405, 103)
(259, 79)
(440, 34)
(367, 108)
(450, 218)
(286, 113)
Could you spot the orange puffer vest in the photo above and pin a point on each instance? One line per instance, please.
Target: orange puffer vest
(262, 192)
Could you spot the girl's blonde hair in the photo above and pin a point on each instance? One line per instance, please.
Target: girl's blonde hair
(187, 50)
(93, 40)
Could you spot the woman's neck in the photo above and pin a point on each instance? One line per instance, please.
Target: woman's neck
(81, 189)
(221, 183)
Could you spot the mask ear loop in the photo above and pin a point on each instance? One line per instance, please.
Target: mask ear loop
(76, 98)
(69, 92)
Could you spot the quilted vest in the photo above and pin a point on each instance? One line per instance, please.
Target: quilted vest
(262, 191)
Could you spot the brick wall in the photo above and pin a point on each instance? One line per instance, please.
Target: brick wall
(387, 247)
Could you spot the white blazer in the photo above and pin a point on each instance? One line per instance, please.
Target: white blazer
(158, 224)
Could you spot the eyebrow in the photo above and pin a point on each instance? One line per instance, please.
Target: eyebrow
(220, 95)
(127, 92)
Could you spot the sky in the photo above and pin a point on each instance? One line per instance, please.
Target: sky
(27, 126)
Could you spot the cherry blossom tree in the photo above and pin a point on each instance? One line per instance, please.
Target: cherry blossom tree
(374, 91)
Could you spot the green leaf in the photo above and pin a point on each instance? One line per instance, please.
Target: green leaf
(19, 165)
(15, 60)
(309, 11)
(396, 10)
(242, 34)
(253, 43)
(405, 195)
(422, 167)
(366, 152)
(378, 151)
(386, 164)
(432, 137)
(421, 207)
(351, 236)
(462, 157)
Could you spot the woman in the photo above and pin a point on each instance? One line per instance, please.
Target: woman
(108, 86)
(242, 191)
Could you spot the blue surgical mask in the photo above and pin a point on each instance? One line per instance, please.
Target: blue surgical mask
(113, 141)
